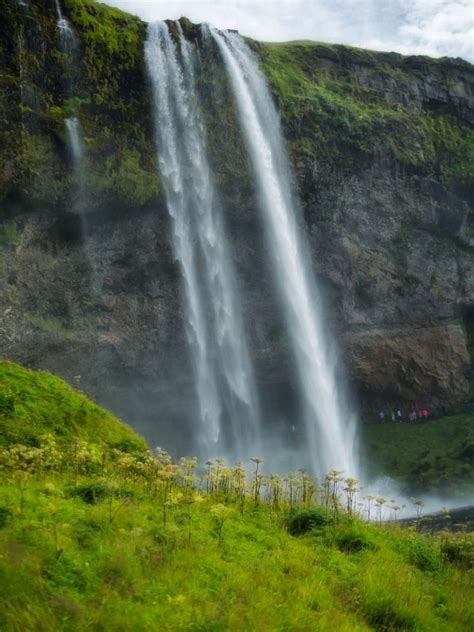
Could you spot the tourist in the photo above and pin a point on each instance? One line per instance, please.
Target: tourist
(399, 415)
(382, 416)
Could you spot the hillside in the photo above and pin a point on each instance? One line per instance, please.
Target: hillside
(35, 404)
(124, 540)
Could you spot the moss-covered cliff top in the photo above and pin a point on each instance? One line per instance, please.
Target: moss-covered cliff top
(344, 52)
(336, 102)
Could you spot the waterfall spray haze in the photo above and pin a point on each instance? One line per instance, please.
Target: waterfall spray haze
(229, 412)
(329, 430)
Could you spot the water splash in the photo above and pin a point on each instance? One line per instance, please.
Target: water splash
(224, 376)
(328, 428)
(66, 34)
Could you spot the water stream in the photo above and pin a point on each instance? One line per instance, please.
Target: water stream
(229, 412)
(329, 429)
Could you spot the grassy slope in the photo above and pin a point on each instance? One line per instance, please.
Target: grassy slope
(433, 456)
(121, 541)
(67, 565)
(34, 403)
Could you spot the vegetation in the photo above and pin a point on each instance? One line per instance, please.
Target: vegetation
(316, 89)
(119, 538)
(100, 80)
(434, 456)
(33, 404)
(322, 102)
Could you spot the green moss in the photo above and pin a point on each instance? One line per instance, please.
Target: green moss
(9, 235)
(101, 81)
(50, 325)
(325, 111)
(124, 178)
(34, 403)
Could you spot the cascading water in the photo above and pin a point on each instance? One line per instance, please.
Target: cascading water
(74, 134)
(76, 152)
(329, 431)
(224, 376)
(68, 39)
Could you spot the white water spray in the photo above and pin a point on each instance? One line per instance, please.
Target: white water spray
(329, 431)
(224, 377)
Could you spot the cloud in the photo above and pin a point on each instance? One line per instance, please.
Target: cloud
(432, 27)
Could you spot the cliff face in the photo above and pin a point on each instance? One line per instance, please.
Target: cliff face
(382, 147)
(382, 150)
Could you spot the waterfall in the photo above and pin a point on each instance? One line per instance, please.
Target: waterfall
(74, 135)
(328, 427)
(75, 140)
(76, 153)
(66, 34)
(229, 412)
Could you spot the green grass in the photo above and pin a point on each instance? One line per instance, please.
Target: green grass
(98, 534)
(34, 403)
(434, 456)
(66, 564)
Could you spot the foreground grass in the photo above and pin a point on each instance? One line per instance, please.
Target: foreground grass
(127, 562)
(97, 533)
(429, 456)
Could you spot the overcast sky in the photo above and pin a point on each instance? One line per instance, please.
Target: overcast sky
(432, 27)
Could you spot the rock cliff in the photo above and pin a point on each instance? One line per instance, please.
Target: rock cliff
(382, 149)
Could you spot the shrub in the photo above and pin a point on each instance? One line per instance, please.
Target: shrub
(459, 551)
(91, 493)
(353, 539)
(301, 521)
(5, 515)
(381, 613)
(7, 403)
(422, 553)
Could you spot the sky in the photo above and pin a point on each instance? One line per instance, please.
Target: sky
(430, 27)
